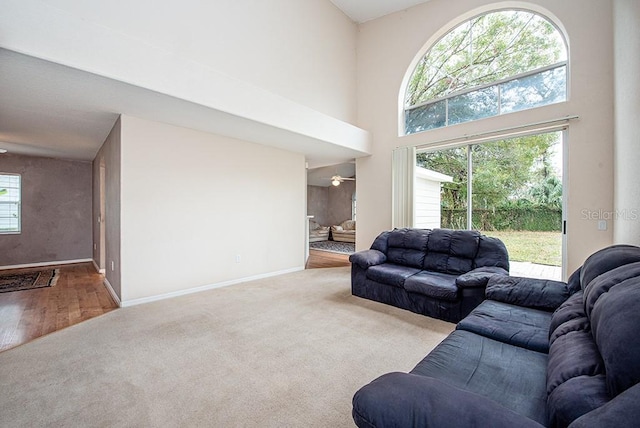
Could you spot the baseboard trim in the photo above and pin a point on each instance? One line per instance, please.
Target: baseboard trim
(41, 264)
(95, 265)
(150, 299)
(111, 291)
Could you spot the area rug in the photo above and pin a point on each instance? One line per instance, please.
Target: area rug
(28, 280)
(334, 247)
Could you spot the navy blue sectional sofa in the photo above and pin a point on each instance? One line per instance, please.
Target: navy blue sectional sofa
(441, 273)
(535, 353)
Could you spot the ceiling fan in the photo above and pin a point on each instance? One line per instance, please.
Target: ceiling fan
(336, 180)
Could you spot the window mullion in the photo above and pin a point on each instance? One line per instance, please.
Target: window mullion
(469, 187)
(446, 112)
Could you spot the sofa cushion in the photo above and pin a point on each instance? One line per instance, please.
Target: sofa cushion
(509, 375)
(433, 284)
(576, 397)
(479, 277)
(622, 411)
(530, 292)
(491, 252)
(515, 325)
(606, 260)
(575, 379)
(571, 355)
(407, 400)
(407, 247)
(576, 324)
(603, 283)
(571, 308)
(381, 243)
(451, 251)
(390, 274)
(573, 283)
(348, 225)
(615, 320)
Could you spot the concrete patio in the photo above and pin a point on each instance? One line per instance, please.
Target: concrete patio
(533, 270)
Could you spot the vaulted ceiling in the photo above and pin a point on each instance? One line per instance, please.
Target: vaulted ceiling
(365, 10)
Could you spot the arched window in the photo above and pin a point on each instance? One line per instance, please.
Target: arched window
(495, 63)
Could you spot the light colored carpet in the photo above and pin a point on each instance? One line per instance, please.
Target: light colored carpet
(288, 351)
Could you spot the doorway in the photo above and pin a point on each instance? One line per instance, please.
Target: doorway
(331, 211)
(511, 189)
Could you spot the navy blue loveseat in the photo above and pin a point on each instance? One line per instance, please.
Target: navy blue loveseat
(535, 353)
(441, 273)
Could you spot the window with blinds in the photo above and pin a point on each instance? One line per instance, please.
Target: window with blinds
(10, 195)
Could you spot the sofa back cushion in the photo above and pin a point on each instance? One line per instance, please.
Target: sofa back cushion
(491, 252)
(576, 382)
(381, 243)
(612, 303)
(442, 250)
(348, 225)
(594, 349)
(451, 251)
(407, 247)
(605, 282)
(607, 259)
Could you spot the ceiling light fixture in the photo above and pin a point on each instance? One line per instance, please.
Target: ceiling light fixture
(3, 151)
(335, 182)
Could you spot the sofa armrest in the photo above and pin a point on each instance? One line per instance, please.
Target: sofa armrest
(367, 258)
(621, 412)
(409, 400)
(479, 277)
(534, 293)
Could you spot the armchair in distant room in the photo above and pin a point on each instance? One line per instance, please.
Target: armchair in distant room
(318, 232)
(344, 232)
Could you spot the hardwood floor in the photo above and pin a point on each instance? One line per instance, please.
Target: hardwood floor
(78, 295)
(324, 259)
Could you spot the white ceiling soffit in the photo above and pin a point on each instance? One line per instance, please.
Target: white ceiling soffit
(56, 111)
(365, 10)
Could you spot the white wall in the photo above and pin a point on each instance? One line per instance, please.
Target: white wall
(388, 46)
(191, 202)
(627, 107)
(301, 50)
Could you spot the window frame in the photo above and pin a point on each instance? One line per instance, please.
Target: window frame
(402, 125)
(489, 85)
(18, 204)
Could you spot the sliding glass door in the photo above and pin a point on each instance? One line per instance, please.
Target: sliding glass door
(511, 189)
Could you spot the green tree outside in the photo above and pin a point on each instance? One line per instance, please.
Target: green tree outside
(515, 185)
(488, 48)
(490, 65)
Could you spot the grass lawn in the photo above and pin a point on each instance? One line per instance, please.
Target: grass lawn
(536, 247)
